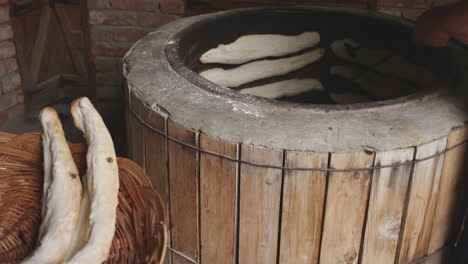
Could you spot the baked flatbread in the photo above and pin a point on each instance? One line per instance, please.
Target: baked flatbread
(62, 194)
(92, 241)
(258, 70)
(252, 47)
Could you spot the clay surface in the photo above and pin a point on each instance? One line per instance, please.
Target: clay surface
(285, 88)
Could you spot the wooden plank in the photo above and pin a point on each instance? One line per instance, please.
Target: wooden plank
(260, 191)
(449, 213)
(137, 140)
(303, 203)
(183, 174)
(40, 43)
(156, 154)
(72, 48)
(422, 202)
(345, 208)
(156, 151)
(218, 198)
(386, 205)
(176, 259)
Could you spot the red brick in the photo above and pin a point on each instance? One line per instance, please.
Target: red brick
(99, 4)
(7, 50)
(403, 3)
(8, 100)
(131, 34)
(11, 82)
(16, 111)
(412, 14)
(109, 91)
(4, 13)
(6, 32)
(172, 6)
(106, 64)
(8, 66)
(147, 5)
(109, 78)
(144, 5)
(443, 2)
(101, 33)
(110, 48)
(145, 19)
(391, 11)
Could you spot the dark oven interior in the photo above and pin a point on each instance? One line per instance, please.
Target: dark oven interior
(374, 31)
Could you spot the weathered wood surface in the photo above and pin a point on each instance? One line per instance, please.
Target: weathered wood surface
(49, 49)
(302, 208)
(156, 156)
(450, 204)
(156, 152)
(218, 201)
(260, 193)
(176, 259)
(386, 205)
(345, 208)
(422, 202)
(137, 146)
(183, 174)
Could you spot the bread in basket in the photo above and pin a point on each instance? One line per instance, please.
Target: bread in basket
(141, 227)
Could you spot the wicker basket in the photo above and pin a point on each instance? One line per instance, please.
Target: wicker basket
(141, 233)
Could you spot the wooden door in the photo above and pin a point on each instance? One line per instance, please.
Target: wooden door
(50, 50)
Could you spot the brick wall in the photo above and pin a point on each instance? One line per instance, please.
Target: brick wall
(115, 25)
(410, 9)
(11, 96)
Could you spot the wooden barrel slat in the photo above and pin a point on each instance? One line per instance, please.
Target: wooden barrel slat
(156, 155)
(260, 194)
(345, 208)
(176, 259)
(422, 202)
(218, 201)
(302, 208)
(137, 141)
(449, 211)
(183, 186)
(386, 206)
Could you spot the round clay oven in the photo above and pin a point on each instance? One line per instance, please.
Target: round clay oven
(234, 168)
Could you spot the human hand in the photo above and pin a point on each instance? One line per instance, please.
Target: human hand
(438, 25)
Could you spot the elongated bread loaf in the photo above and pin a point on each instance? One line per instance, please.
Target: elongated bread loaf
(373, 83)
(285, 88)
(93, 239)
(62, 194)
(384, 61)
(258, 70)
(252, 47)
